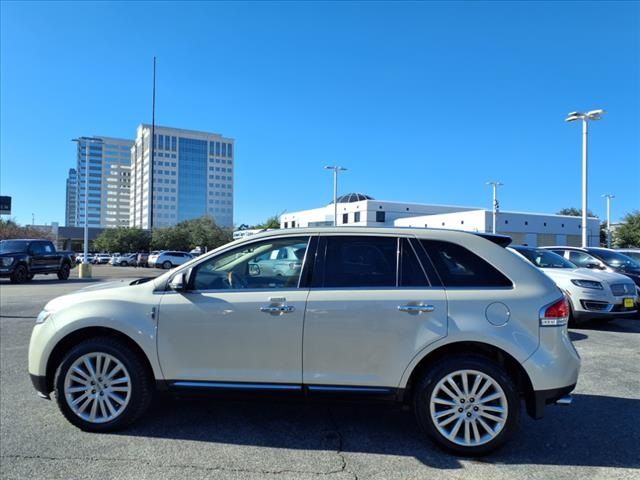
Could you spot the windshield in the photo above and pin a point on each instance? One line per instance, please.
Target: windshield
(617, 260)
(545, 258)
(11, 246)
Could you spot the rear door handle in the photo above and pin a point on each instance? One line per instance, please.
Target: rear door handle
(416, 308)
(278, 309)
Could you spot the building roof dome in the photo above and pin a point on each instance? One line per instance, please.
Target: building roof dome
(352, 197)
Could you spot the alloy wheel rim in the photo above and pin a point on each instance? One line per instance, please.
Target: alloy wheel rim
(97, 387)
(468, 408)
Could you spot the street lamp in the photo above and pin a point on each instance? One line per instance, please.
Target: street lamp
(85, 268)
(335, 169)
(608, 196)
(496, 205)
(585, 117)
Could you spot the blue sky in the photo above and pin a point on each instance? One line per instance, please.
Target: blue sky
(423, 102)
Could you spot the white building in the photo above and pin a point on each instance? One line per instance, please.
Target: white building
(532, 229)
(109, 174)
(358, 209)
(193, 176)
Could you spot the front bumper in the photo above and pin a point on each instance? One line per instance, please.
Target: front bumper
(40, 384)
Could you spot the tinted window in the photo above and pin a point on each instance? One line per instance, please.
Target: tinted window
(581, 259)
(380, 217)
(411, 273)
(458, 267)
(13, 246)
(360, 262)
(274, 263)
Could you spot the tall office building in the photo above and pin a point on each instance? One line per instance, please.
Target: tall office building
(109, 179)
(71, 202)
(192, 177)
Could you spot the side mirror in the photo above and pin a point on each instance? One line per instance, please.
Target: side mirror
(592, 265)
(178, 283)
(254, 270)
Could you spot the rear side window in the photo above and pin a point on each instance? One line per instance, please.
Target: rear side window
(411, 272)
(360, 261)
(459, 267)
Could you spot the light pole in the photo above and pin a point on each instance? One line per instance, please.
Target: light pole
(585, 117)
(496, 205)
(335, 169)
(84, 270)
(608, 196)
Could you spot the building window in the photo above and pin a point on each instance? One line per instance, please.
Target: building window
(345, 218)
(380, 217)
(229, 151)
(286, 224)
(293, 224)
(356, 217)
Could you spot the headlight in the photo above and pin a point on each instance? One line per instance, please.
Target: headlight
(587, 284)
(42, 316)
(6, 261)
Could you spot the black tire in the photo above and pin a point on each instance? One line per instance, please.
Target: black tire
(167, 265)
(20, 274)
(64, 272)
(141, 383)
(123, 264)
(426, 385)
(30, 277)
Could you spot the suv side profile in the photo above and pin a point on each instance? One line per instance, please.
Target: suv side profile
(448, 322)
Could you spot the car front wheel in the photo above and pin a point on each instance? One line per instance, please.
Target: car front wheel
(20, 274)
(101, 385)
(167, 265)
(468, 404)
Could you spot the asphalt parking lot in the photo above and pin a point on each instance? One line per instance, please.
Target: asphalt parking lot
(598, 437)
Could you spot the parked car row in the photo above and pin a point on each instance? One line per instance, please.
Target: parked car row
(592, 293)
(159, 259)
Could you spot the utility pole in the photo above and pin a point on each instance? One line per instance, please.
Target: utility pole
(608, 196)
(585, 117)
(335, 169)
(496, 205)
(153, 145)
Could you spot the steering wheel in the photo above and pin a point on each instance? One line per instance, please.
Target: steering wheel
(235, 281)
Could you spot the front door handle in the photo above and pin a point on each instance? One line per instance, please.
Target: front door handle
(416, 308)
(278, 309)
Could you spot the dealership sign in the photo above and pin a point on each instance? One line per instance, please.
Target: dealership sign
(5, 205)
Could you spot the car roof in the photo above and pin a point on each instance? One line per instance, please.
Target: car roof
(441, 233)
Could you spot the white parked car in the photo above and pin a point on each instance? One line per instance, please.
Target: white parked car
(169, 259)
(80, 257)
(101, 258)
(449, 322)
(592, 294)
(125, 260)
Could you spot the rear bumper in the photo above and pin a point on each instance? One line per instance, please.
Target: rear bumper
(542, 398)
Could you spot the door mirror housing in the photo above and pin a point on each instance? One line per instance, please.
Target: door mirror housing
(593, 265)
(180, 282)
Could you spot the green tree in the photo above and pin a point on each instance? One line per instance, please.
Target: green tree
(200, 232)
(272, 222)
(10, 229)
(575, 212)
(627, 235)
(123, 239)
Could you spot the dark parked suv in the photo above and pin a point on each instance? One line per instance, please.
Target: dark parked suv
(20, 260)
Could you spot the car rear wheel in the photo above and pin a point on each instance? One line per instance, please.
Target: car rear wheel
(101, 385)
(123, 264)
(65, 270)
(467, 405)
(19, 274)
(167, 265)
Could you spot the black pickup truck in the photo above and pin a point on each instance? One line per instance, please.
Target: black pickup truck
(20, 260)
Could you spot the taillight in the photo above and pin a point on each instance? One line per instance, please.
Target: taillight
(556, 314)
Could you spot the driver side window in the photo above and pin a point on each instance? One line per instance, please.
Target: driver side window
(269, 264)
